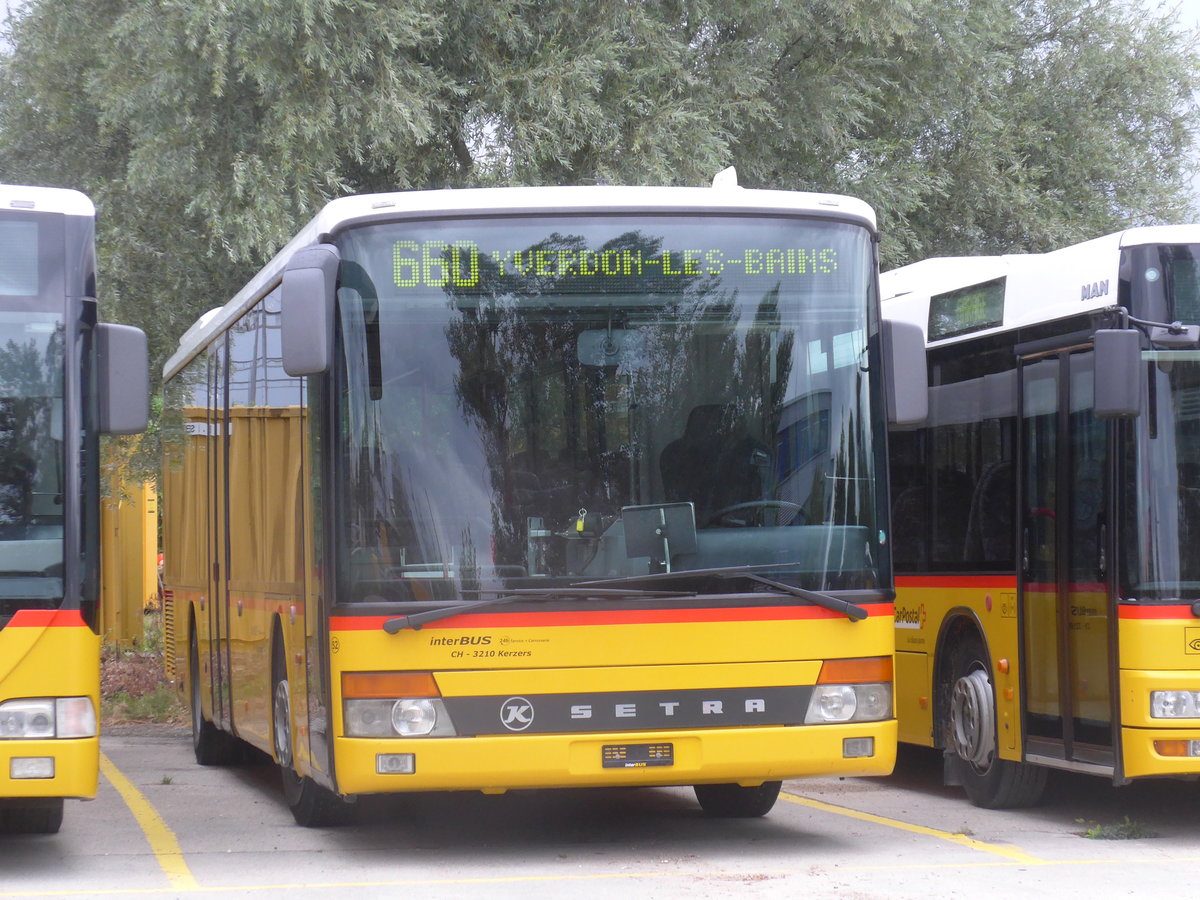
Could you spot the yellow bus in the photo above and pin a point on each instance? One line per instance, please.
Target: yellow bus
(1047, 514)
(64, 379)
(539, 487)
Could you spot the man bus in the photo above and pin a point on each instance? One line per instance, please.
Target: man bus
(65, 378)
(1047, 512)
(546, 487)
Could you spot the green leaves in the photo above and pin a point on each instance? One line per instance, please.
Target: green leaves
(208, 131)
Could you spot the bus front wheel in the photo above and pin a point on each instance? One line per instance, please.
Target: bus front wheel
(990, 782)
(35, 816)
(732, 801)
(311, 804)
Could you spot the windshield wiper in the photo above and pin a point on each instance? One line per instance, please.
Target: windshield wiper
(416, 620)
(851, 611)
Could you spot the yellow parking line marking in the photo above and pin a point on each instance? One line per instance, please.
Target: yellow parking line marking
(1010, 853)
(161, 839)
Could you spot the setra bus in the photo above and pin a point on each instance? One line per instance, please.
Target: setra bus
(540, 487)
(65, 378)
(1047, 514)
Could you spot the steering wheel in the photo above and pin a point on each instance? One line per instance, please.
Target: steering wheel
(761, 506)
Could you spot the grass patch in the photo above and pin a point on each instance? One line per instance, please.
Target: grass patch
(1128, 830)
(133, 682)
(160, 706)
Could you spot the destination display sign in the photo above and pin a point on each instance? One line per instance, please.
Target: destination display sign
(467, 265)
(966, 309)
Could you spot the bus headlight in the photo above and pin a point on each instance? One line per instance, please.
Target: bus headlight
(414, 718)
(394, 704)
(41, 719)
(401, 717)
(1174, 704)
(849, 703)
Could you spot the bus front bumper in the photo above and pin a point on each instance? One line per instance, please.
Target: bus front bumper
(49, 768)
(498, 763)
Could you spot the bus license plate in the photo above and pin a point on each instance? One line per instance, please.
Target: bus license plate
(637, 756)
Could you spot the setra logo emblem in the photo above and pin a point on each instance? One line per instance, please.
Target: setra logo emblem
(516, 713)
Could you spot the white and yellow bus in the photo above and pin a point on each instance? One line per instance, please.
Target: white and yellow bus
(546, 487)
(64, 379)
(1047, 514)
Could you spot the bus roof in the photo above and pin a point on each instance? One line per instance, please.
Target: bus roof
(45, 199)
(360, 209)
(1039, 287)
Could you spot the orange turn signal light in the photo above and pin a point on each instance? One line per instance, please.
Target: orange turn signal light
(385, 685)
(863, 670)
(1171, 748)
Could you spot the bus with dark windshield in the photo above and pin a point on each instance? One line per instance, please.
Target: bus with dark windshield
(1047, 514)
(544, 487)
(65, 378)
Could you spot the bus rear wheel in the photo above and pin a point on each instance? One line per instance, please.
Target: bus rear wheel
(40, 816)
(312, 805)
(732, 801)
(990, 782)
(211, 745)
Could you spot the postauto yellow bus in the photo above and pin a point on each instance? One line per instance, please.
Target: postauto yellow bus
(546, 487)
(1047, 514)
(64, 379)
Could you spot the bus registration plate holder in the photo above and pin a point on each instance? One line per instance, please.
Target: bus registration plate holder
(637, 756)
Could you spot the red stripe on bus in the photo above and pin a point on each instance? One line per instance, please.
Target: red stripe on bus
(997, 582)
(1127, 611)
(612, 617)
(47, 618)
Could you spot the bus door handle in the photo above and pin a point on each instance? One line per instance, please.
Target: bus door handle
(239, 606)
(1103, 555)
(1025, 550)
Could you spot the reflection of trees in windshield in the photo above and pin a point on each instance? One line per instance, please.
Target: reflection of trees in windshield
(1160, 545)
(562, 435)
(30, 381)
(497, 421)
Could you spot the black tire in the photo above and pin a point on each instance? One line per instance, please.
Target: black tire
(41, 816)
(732, 801)
(211, 745)
(971, 737)
(312, 805)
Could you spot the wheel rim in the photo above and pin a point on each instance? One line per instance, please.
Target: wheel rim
(283, 723)
(973, 720)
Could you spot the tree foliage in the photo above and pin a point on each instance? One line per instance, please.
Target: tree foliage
(209, 130)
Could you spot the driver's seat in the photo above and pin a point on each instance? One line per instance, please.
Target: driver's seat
(715, 463)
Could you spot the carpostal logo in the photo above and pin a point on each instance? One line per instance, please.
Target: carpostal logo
(516, 713)
(907, 617)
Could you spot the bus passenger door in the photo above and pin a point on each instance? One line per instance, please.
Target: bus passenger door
(218, 593)
(1066, 608)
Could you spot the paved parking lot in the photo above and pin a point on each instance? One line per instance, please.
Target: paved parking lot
(163, 826)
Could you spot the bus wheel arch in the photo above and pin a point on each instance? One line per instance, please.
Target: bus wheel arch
(967, 727)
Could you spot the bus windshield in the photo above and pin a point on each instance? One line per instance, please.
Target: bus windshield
(1162, 471)
(533, 401)
(31, 461)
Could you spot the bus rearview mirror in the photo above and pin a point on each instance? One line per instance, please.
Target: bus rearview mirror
(1118, 370)
(906, 375)
(123, 365)
(307, 301)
